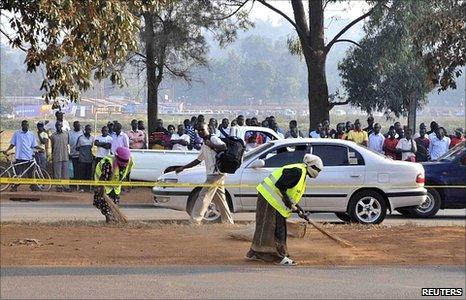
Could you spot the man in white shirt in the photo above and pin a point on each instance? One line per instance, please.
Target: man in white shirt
(224, 129)
(237, 128)
(119, 138)
(104, 145)
(215, 193)
(50, 126)
(376, 139)
(73, 136)
(439, 144)
(180, 140)
(42, 145)
(407, 147)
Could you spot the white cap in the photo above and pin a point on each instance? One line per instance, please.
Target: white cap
(314, 164)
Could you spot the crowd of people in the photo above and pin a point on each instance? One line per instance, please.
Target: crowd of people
(398, 142)
(60, 143)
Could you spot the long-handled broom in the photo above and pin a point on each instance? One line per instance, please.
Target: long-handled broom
(333, 237)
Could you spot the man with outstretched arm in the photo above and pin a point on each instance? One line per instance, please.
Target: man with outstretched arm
(278, 197)
(215, 193)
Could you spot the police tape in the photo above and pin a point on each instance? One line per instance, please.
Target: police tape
(33, 181)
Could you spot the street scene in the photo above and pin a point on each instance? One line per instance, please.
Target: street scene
(232, 149)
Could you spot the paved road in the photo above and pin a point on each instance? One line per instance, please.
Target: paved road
(51, 211)
(227, 282)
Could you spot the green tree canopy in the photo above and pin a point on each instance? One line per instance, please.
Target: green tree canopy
(72, 41)
(395, 67)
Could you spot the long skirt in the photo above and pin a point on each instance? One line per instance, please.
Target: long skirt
(269, 242)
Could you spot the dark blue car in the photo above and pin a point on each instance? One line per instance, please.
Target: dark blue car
(445, 183)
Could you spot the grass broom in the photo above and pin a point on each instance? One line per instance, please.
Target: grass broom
(118, 216)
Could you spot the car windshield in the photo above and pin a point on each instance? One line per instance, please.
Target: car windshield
(257, 150)
(453, 153)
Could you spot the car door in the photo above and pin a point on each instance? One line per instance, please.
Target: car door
(343, 171)
(274, 158)
(455, 176)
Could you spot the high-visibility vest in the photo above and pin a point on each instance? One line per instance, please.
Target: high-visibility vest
(115, 174)
(273, 195)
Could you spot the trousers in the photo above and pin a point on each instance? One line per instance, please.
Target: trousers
(85, 173)
(214, 195)
(60, 170)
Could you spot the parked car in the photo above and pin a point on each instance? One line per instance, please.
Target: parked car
(150, 164)
(445, 183)
(356, 184)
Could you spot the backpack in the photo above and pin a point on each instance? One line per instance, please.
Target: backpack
(230, 160)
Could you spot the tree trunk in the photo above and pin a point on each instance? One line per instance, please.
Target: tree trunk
(412, 109)
(151, 68)
(317, 81)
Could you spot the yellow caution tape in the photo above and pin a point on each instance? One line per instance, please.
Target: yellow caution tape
(5, 180)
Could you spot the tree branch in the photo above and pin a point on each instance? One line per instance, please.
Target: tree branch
(12, 41)
(263, 2)
(332, 104)
(348, 41)
(233, 13)
(140, 54)
(183, 73)
(347, 27)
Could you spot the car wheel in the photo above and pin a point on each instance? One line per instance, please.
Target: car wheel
(343, 216)
(367, 207)
(212, 214)
(428, 208)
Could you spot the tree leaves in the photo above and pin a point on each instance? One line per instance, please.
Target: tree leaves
(389, 69)
(70, 41)
(408, 49)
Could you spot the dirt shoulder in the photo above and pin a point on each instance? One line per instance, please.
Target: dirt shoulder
(81, 244)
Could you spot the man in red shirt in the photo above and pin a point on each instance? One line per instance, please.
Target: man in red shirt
(389, 145)
(457, 138)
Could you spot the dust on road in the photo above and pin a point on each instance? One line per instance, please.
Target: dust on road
(174, 244)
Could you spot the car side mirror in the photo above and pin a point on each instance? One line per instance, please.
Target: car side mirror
(257, 164)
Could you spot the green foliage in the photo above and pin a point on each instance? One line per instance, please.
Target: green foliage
(441, 36)
(388, 71)
(72, 41)
(180, 29)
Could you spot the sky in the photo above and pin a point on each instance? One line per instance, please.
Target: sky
(344, 10)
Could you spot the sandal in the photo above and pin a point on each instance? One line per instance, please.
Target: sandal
(286, 261)
(253, 258)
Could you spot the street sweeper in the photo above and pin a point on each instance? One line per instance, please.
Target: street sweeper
(278, 197)
(114, 168)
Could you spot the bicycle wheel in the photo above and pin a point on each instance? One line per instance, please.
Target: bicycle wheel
(40, 173)
(4, 173)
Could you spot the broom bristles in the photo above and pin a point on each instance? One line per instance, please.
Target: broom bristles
(116, 212)
(333, 237)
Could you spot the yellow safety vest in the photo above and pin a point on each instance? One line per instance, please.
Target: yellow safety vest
(273, 195)
(115, 174)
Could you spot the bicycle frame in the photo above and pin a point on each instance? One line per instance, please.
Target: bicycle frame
(33, 165)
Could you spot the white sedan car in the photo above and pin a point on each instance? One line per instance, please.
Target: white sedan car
(356, 184)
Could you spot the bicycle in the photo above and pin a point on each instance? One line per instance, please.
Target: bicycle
(38, 173)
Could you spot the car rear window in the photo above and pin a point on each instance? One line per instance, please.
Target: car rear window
(334, 155)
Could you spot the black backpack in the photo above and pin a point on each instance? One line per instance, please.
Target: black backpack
(230, 160)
